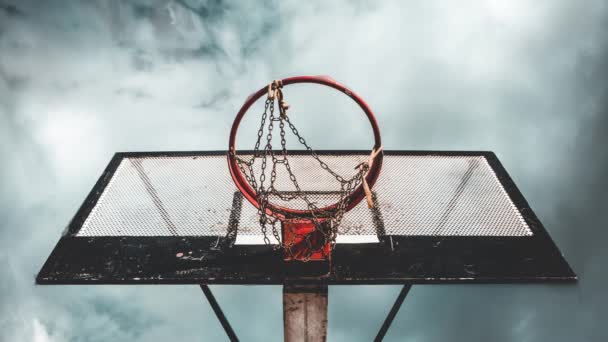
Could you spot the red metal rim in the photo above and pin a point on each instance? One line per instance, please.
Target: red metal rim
(357, 196)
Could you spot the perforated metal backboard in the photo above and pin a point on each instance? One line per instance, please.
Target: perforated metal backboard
(438, 217)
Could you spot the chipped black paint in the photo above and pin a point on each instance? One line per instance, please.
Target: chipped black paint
(396, 260)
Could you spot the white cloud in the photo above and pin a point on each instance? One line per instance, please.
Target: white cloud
(92, 80)
(40, 333)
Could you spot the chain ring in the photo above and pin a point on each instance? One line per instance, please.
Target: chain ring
(333, 219)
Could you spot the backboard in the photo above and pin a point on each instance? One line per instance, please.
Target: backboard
(178, 218)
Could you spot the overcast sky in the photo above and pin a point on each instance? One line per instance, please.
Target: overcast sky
(82, 80)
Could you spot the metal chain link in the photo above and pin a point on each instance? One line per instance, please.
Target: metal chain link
(325, 222)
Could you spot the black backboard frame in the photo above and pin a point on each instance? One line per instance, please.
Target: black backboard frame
(397, 260)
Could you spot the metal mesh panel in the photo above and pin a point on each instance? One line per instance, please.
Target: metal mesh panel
(195, 196)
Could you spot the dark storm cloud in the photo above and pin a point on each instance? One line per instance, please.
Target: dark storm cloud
(80, 81)
(89, 65)
(11, 10)
(581, 211)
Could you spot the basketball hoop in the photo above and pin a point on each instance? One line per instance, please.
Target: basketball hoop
(316, 227)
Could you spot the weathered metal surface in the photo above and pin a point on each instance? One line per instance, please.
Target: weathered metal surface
(305, 313)
(216, 260)
(179, 260)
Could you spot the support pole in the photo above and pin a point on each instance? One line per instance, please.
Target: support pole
(305, 313)
(218, 312)
(391, 315)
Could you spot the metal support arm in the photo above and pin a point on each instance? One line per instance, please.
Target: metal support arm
(219, 313)
(393, 312)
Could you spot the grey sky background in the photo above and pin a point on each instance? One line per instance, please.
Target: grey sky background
(82, 80)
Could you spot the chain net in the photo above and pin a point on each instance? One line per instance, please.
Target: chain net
(326, 221)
